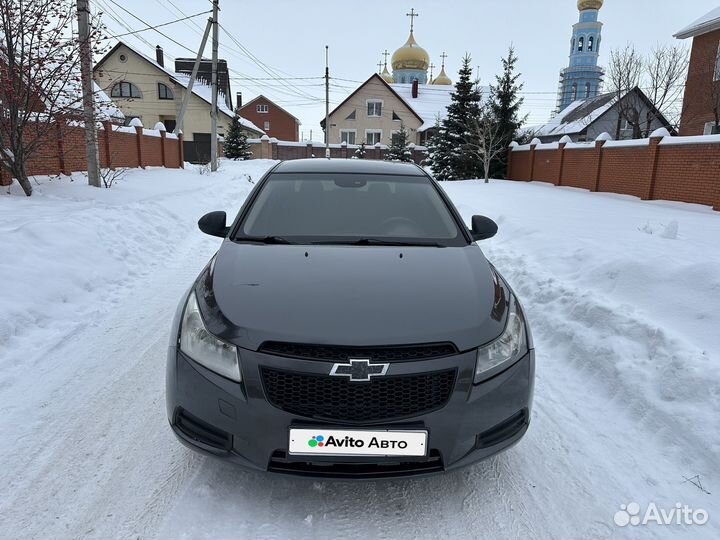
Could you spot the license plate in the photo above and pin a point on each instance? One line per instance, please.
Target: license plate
(340, 442)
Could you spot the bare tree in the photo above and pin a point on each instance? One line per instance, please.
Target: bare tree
(660, 75)
(624, 74)
(485, 139)
(39, 77)
(666, 69)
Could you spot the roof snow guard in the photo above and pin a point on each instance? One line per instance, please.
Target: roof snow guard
(705, 24)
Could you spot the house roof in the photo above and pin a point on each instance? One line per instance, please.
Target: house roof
(580, 114)
(430, 105)
(390, 88)
(297, 120)
(200, 89)
(105, 107)
(707, 23)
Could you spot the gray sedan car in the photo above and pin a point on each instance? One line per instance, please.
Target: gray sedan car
(349, 326)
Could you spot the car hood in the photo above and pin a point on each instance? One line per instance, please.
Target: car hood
(355, 295)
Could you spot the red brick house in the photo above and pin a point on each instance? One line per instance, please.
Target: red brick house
(701, 106)
(271, 118)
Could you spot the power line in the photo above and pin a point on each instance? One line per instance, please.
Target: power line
(151, 27)
(159, 25)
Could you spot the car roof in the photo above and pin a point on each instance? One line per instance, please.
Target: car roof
(348, 166)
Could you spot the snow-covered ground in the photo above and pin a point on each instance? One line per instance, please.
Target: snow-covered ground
(623, 297)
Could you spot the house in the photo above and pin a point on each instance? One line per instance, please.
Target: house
(633, 116)
(271, 117)
(701, 106)
(377, 110)
(144, 88)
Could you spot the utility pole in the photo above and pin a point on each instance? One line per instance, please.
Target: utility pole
(91, 142)
(214, 112)
(196, 67)
(327, 104)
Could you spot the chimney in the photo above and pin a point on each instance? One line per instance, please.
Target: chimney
(159, 56)
(238, 99)
(415, 89)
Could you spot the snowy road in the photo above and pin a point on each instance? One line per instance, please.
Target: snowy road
(625, 409)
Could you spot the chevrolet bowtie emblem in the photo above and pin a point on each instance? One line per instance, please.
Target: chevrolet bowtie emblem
(359, 369)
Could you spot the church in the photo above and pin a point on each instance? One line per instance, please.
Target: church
(583, 78)
(408, 98)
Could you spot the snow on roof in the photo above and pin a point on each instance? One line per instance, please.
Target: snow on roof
(200, 89)
(432, 101)
(105, 107)
(707, 23)
(576, 116)
(204, 92)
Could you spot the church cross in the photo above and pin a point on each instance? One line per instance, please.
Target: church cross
(380, 64)
(386, 54)
(412, 16)
(432, 66)
(443, 56)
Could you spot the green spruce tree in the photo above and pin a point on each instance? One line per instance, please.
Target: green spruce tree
(505, 102)
(236, 145)
(399, 148)
(448, 157)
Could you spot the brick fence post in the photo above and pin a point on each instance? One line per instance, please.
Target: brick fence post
(108, 133)
(61, 146)
(138, 145)
(274, 148)
(561, 149)
(181, 149)
(309, 150)
(532, 161)
(162, 147)
(654, 150)
(599, 151)
(265, 147)
(508, 173)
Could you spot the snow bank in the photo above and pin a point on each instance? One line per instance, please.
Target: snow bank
(69, 249)
(626, 291)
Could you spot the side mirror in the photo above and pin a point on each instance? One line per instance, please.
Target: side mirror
(214, 224)
(483, 228)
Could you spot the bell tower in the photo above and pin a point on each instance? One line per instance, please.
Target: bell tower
(583, 77)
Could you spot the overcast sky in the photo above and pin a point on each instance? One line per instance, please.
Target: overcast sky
(289, 36)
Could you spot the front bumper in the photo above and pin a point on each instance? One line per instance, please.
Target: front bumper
(236, 422)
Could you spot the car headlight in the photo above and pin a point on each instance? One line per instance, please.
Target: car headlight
(205, 348)
(505, 350)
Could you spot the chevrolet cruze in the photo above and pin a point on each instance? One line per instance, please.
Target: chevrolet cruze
(349, 326)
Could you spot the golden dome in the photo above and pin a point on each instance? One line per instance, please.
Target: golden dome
(386, 75)
(410, 56)
(442, 78)
(590, 4)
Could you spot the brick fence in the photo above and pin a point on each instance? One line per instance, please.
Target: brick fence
(271, 148)
(683, 169)
(119, 147)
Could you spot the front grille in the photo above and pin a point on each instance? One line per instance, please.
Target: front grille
(333, 398)
(396, 353)
(279, 462)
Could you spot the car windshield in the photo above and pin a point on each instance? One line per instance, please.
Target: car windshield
(350, 209)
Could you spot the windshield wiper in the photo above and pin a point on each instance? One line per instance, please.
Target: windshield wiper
(380, 242)
(265, 239)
